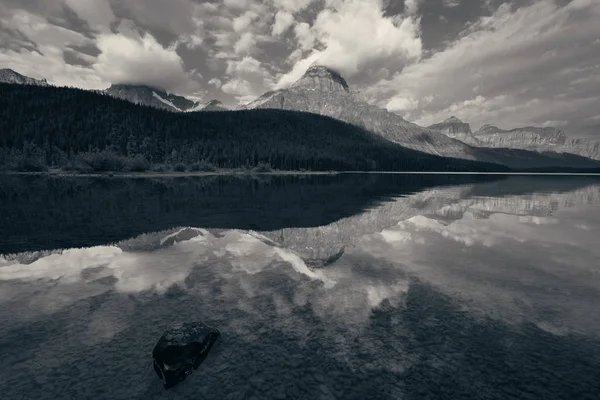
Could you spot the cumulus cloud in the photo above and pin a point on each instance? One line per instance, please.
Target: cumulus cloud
(167, 21)
(283, 21)
(97, 13)
(40, 51)
(194, 37)
(511, 65)
(237, 4)
(292, 6)
(403, 104)
(296, 55)
(356, 37)
(305, 36)
(131, 57)
(239, 88)
(124, 53)
(243, 22)
(516, 67)
(248, 78)
(411, 6)
(246, 44)
(298, 70)
(216, 82)
(468, 257)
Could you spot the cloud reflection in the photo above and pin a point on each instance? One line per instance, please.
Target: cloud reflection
(511, 267)
(503, 256)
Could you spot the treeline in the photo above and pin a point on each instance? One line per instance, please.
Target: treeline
(44, 127)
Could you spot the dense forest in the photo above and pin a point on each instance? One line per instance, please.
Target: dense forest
(43, 127)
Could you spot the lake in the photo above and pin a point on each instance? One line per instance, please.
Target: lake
(347, 286)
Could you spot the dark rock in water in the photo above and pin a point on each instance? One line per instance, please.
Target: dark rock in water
(181, 349)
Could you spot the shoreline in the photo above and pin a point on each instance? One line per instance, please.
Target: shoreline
(171, 174)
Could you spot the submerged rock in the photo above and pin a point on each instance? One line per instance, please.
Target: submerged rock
(181, 349)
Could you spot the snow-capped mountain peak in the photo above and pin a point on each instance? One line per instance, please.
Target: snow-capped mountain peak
(212, 105)
(165, 101)
(150, 96)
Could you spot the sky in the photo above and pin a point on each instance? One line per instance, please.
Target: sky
(505, 63)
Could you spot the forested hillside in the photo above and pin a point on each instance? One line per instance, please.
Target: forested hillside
(64, 127)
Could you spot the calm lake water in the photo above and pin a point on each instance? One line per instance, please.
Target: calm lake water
(323, 287)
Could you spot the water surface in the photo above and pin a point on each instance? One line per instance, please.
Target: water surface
(324, 287)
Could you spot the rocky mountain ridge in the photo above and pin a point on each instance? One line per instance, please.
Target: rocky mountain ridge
(456, 129)
(323, 91)
(215, 105)
(7, 75)
(149, 96)
(539, 139)
(493, 136)
(212, 105)
(138, 94)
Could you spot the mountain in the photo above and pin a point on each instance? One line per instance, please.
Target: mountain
(138, 94)
(583, 147)
(101, 128)
(456, 129)
(9, 76)
(149, 96)
(552, 142)
(213, 105)
(522, 138)
(158, 98)
(538, 139)
(323, 91)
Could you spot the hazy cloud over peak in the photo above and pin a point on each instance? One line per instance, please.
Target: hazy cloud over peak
(355, 38)
(131, 57)
(505, 63)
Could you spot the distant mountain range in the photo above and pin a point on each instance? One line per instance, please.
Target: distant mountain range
(525, 138)
(158, 98)
(456, 129)
(93, 132)
(214, 105)
(138, 94)
(323, 91)
(149, 96)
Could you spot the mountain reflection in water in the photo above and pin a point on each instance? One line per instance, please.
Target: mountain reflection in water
(349, 286)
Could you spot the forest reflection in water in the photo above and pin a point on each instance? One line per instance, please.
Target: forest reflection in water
(323, 287)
